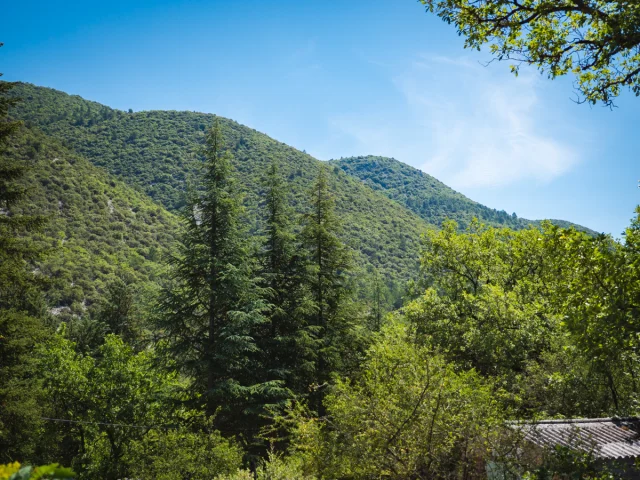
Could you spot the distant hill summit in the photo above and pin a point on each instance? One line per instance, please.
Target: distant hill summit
(428, 197)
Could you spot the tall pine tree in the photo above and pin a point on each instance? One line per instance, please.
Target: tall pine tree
(328, 278)
(20, 304)
(377, 301)
(214, 303)
(286, 341)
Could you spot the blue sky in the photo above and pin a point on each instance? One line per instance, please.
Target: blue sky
(341, 78)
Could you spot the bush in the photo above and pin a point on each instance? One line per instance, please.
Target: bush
(410, 415)
(180, 454)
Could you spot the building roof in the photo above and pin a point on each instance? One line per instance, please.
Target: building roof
(606, 438)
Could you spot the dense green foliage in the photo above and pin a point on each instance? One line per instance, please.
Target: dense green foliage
(429, 198)
(598, 296)
(287, 340)
(117, 414)
(485, 301)
(21, 325)
(98, 227)
(410, 415)
(551, 313)
(595, 40)
(97, 396)
(508, 324)
(15, 471)
(333, 319)
(184, 453)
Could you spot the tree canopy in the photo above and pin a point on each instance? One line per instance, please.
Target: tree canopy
(598, 41)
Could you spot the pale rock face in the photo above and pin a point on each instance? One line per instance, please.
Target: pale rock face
(58, 310)
(197, 215)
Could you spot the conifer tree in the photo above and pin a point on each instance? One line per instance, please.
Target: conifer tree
(20, 325)
(118, 310)
(378, 306)
(214, 303)
(285, 340)
(329, 264)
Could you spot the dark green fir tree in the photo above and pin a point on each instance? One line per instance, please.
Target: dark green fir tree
(214, 302)
(286, 341)
(334, 315)
(21, 327)
(378, 303)
(118, 310)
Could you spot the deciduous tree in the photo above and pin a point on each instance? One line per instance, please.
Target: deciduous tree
(597, 41)
(410, 414)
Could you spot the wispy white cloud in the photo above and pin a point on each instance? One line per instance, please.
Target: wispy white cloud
(468, 125)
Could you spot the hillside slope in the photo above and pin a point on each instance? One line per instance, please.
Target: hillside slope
(428, 197)
(157, 151)
(97, 226)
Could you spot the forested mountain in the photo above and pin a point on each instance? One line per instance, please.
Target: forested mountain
(428, 197)
(157, 151)
(96, 226)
